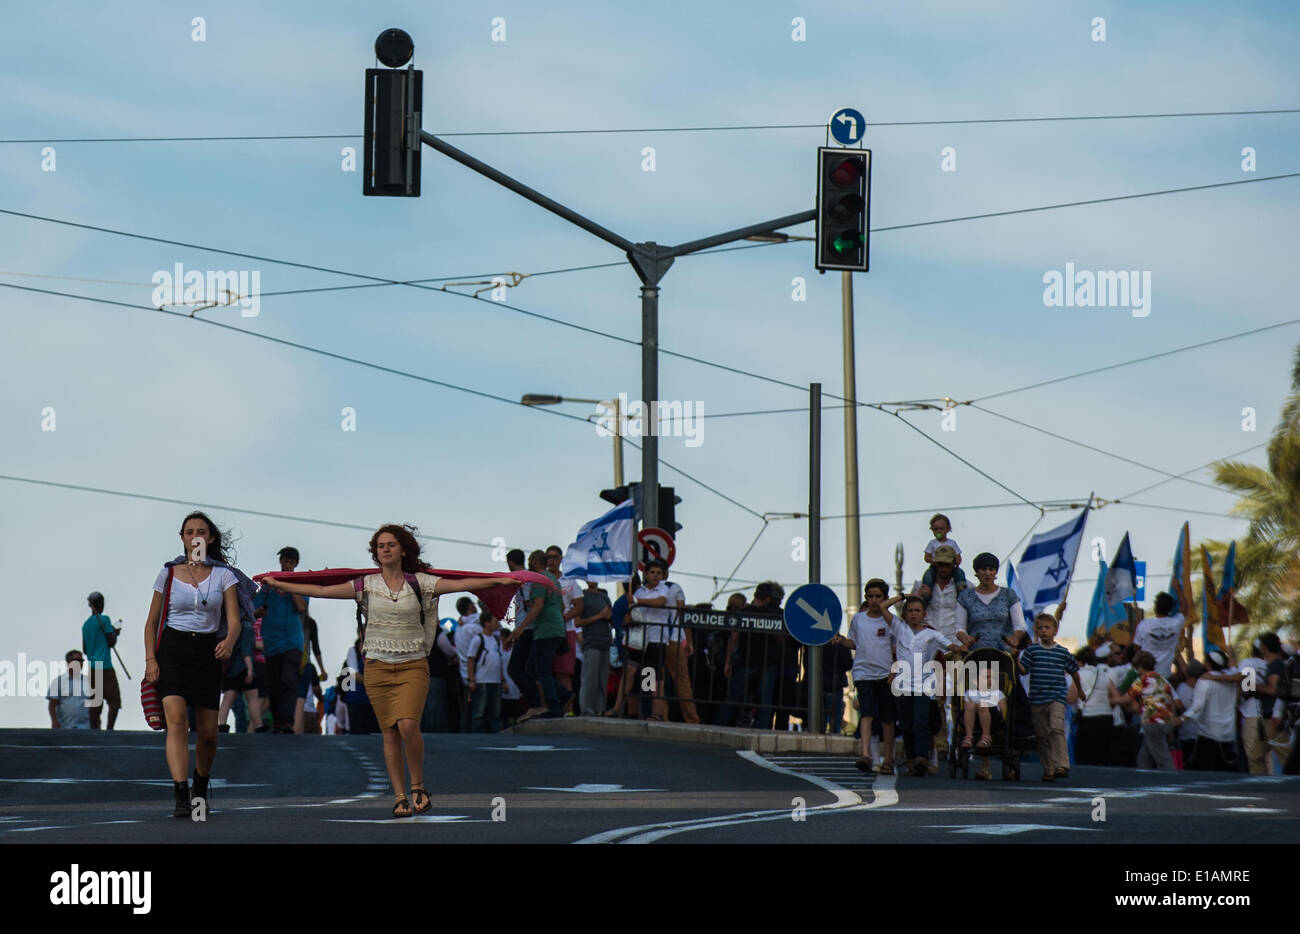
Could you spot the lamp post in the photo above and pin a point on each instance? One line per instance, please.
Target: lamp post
(539, 399)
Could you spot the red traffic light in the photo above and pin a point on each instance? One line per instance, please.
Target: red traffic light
(848, 172)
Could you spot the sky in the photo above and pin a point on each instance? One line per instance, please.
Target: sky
(157, 412)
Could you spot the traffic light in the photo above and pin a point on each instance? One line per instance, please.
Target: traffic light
(843, 208)
(394, 97)
(668, 510)
(619, 495)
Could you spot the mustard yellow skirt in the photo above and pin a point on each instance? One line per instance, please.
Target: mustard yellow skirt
(396, 691)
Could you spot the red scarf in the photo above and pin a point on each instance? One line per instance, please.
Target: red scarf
(497, 599)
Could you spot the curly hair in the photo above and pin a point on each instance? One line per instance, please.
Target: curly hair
(405, 535)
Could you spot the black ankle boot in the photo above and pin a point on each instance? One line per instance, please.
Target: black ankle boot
(182, 808)
(199, 786)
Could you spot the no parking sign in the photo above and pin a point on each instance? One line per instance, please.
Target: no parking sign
(655, 543)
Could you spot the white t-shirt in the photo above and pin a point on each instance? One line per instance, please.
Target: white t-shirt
(654, 614)
(70, 695)
(488, 668)
(1159, 636)
(466, 630)
(874, 639)
(1213, 709)
(571, 592)
(1185, 693)
(1098, 702)
(677, 597)
(917, 648)
(941, 611)
(188, 612)
(935, 543)
(1250, 706)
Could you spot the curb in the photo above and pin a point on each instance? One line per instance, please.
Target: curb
(760, 741)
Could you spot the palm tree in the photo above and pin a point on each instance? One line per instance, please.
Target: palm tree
(1268, 560)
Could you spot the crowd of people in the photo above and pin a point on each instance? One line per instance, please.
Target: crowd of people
(565, 649)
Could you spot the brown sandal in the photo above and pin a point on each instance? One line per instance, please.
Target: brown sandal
(404, 806)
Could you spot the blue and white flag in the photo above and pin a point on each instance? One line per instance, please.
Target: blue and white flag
(603, 551)
(1048, 563)
(1121, 577)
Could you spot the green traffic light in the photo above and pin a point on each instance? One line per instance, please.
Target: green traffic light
(848, 242)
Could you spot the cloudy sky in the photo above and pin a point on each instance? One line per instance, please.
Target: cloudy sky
(246, 418)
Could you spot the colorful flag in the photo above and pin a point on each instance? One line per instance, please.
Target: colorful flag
(1180, 585)
(1048, 564)
(1121, 579)
(1231, 613)
(1098, 623)
(1211, 623)
(603, 551)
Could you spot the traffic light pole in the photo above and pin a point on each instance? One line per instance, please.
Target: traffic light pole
(651, 261)
(813, 655)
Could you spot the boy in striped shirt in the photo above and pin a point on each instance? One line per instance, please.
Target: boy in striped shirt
(1046, 663)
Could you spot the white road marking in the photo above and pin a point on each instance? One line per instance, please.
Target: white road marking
(845, 800)
(587, 788)
(1003, 830)
(1254, 810)
(534, 748)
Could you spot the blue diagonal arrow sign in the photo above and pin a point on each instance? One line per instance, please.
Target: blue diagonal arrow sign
(813, 614)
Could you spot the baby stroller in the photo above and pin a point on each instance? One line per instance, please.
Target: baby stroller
(1003, 732)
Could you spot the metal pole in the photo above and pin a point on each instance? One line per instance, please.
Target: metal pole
(650, 402)
(618, 443)
(813, 656)
(853, 557)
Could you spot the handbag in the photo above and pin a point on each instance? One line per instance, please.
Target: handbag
(149, 699)
(634, 635)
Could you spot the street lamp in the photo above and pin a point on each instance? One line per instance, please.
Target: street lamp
(541, 399)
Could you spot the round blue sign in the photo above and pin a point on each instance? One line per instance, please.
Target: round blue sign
(813, 614)
(847, 126)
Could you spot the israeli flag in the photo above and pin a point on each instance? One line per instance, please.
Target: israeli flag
(603, 551)
(1046, 566)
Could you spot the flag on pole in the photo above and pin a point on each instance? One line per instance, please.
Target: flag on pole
(1048, 563)
(1180, 588)
(1231, 613)
(603, 551)
(1121, 578)
(1103, 616)
(1211, 622)
(1180, 585)
(1013, 584)
(1097, 618)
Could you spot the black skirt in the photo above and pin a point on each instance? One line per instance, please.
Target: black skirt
(188, 668)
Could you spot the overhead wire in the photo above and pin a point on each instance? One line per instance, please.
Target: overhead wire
(374, 366)
(670, 129)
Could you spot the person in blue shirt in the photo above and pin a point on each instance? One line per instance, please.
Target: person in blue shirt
(97, 640)
(282, 617)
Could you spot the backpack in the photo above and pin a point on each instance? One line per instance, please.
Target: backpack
(1288, 683)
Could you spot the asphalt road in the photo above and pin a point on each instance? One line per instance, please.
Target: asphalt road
(77, 787)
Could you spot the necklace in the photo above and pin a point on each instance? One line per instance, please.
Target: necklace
(393, 596)
(195, 582)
